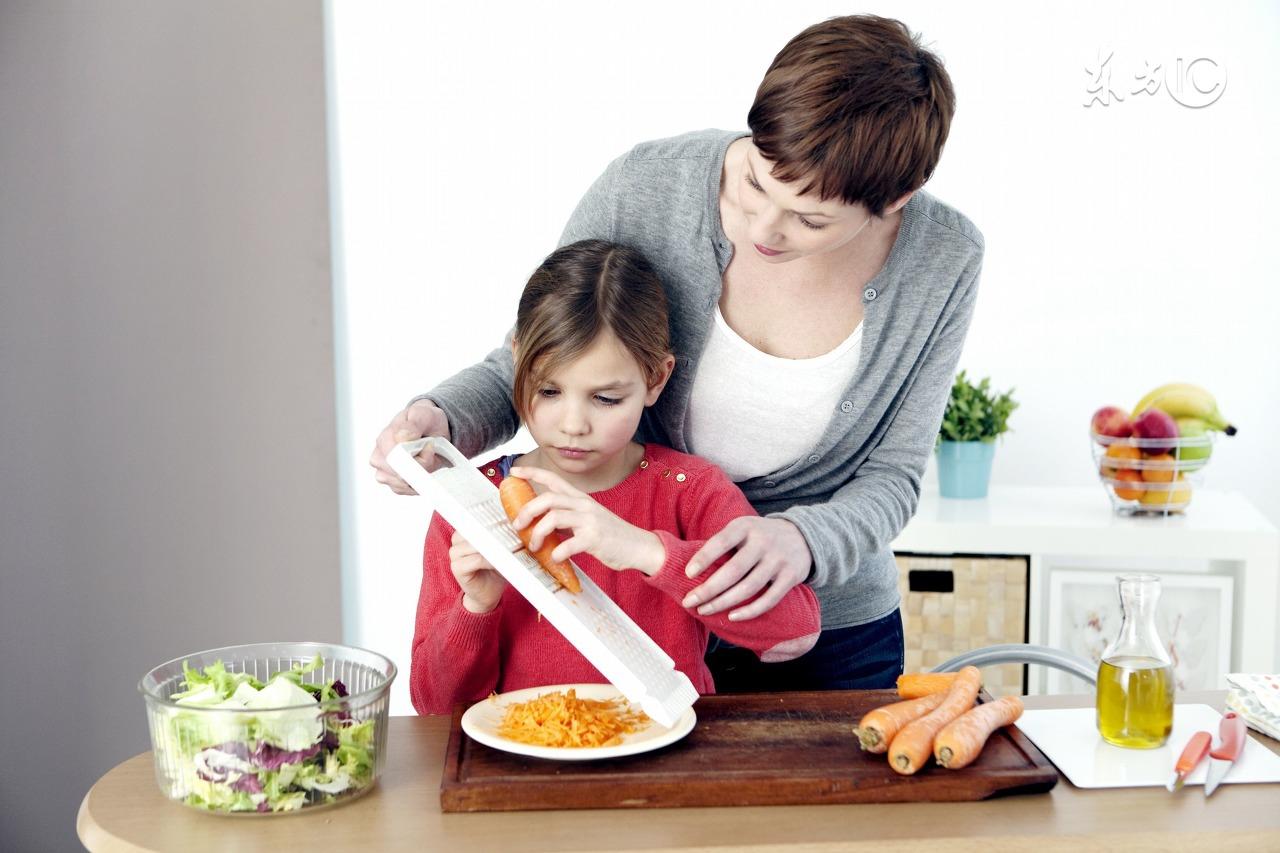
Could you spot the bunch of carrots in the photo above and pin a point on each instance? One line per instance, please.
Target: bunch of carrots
(937, 716)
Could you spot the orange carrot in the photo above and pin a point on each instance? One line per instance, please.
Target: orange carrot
(878, 727)
(914, 744)
(913, 685)
(962, 739)
(515, 493)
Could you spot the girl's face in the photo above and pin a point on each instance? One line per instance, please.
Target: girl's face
(586, 412)
(783, 226)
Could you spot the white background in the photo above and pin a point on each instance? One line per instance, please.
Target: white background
(1128, 245)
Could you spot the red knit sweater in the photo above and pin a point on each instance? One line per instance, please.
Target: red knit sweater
(460, 656)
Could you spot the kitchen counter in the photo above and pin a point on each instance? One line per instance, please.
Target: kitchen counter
(125, 811)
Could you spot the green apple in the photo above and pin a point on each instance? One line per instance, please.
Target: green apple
(1196, 454)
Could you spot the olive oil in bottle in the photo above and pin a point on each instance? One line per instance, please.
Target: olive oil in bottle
(1135, 701)
(1135, 678)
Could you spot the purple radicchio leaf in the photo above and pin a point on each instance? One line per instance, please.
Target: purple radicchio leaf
(268, 757)
(216, 763)
(248, 783)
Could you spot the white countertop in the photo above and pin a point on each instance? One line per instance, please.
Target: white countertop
(1079, 520)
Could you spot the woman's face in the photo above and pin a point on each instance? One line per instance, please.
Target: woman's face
(783, 226)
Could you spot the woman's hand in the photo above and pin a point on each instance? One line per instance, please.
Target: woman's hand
(421, 418)
(481, 584)
(594, 530)
(771, 552)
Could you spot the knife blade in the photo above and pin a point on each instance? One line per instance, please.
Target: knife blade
(1231, 734)
(1194, 752)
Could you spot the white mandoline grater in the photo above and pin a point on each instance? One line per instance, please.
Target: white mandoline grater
(590, 620)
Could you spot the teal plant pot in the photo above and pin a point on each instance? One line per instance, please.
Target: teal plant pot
(964, 468)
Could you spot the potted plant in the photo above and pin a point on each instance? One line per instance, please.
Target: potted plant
(975, 415)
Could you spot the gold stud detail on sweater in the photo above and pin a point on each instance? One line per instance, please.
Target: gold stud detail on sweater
(644, 463)
(490, 472)
(666, 473)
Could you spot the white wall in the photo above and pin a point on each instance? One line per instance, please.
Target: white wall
(1127, 245)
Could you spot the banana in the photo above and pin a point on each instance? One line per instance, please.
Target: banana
(1184, 400)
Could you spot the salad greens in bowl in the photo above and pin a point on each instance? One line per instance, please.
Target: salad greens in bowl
(269, 727)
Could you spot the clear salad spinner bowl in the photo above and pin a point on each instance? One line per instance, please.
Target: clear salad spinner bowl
(270, 727)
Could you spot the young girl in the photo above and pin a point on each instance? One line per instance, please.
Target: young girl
(591, 354)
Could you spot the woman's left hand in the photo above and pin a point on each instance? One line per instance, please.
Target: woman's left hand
(771, 552)
(595, 530)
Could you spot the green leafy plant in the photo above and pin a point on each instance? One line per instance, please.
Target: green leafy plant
(975, 412)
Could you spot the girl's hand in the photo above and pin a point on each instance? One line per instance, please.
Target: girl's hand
(481, 584)
(594, 529)
(771, 553)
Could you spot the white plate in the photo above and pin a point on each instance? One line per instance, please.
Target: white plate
(481, 722)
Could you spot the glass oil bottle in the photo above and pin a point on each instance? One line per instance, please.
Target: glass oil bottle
(1135, 677)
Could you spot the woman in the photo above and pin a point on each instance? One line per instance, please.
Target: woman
(819, 302)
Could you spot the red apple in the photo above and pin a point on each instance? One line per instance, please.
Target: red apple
(1155, 424)
(1113, 421)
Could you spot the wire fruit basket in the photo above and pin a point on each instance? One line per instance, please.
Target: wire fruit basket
(314, 736)
(1151, 476)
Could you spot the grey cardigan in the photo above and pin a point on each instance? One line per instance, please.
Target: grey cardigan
(852, 493)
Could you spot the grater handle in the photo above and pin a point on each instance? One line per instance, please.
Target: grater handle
(401, 460)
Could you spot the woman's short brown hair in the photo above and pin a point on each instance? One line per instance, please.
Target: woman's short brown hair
(856, 109)
(579, 291)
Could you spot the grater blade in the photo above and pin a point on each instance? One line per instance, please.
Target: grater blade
(590, 620)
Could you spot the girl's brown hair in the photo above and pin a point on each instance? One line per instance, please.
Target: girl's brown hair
(855, 108)
(579, 291)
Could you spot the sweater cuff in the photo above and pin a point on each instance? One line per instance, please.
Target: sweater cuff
(469, 630)
(671, 578)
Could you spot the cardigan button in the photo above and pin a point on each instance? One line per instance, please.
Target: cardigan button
(770, 484)
(871, 293)
(680, 478)
(813, 459)
(846, 407)
(490, 472)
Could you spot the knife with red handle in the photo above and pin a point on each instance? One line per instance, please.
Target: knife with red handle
(1231, 734)
(1194, 752)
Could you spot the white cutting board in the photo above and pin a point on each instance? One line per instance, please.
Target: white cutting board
(1069, 738)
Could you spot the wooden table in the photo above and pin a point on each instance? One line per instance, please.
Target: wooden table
(125, 811)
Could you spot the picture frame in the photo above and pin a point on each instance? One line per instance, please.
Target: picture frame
(1193, 619)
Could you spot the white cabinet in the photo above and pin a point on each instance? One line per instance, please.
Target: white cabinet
(1218, 562)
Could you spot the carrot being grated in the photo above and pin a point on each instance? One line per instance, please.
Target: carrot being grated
(562, 719)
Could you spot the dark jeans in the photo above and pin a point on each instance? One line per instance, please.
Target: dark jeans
(860, 657)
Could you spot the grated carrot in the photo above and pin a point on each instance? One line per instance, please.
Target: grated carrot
(564, 720)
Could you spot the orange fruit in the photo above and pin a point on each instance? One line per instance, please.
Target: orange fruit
(1162, 474)
(1119, 452)
(1127, 475)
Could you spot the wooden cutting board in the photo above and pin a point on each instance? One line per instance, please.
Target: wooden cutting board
(746, 750)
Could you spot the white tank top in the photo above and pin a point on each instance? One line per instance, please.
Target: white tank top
(753, 413)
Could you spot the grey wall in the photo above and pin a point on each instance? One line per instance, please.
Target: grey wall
(167, 447)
